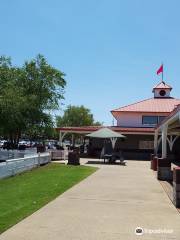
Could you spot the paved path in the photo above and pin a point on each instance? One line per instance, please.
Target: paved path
(108, 205)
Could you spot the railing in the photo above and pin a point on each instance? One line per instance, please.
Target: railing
(60, 154)
(5, 155)
(15, 166)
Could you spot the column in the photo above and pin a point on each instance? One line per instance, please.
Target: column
(164, 141)
(72, 140)
(60, 138)
(155, 142)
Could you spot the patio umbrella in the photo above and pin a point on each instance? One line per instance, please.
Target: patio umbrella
(106, 133)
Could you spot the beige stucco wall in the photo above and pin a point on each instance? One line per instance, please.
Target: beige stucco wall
(134, 119)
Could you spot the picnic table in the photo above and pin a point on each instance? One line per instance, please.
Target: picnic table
(108, 157)
(113, 157)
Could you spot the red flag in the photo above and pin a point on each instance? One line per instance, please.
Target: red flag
(160, 70)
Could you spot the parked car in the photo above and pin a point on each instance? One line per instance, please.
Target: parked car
(22, 145)
(25, 144)
(2, 143)
(8, 145)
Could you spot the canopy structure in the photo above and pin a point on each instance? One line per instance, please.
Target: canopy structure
(169, 131)
(106, 133)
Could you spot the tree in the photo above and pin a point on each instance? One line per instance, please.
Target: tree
(76, 116)
(27, 95)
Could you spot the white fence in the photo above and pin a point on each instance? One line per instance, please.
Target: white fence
(14, 166)
(60, 154)
(5, 155)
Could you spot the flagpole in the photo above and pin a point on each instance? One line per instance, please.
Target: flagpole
(162, 72)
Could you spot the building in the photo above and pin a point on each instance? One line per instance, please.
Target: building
(168, 132)
(137, 122)
(142, 117)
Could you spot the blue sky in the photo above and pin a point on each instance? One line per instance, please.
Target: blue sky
(109, 50)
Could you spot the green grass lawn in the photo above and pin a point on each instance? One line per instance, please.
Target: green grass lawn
(23, 194)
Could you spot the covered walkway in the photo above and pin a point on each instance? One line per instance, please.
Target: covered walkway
(109, 204)
(169, 131)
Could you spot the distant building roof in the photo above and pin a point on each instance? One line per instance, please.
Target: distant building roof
(123, 130)
(162, 85)
(152, 105)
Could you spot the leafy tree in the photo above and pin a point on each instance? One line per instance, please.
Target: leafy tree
(76, 116)
(27, 95)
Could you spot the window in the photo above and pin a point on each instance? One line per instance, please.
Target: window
(149, 120)
(162, 93)
(146, 144)
(161, 118)
(152, 120)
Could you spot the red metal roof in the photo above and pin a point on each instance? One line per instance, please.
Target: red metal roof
(79, 129)
(133, 129)
(152, 105)
(176, 109)
(162, 85)
(86, 129)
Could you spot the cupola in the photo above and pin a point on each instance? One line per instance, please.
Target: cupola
(162, 90)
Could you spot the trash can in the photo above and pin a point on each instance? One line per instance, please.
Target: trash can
(73, 158)
(41, 148)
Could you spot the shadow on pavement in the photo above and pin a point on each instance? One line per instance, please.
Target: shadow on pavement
(105, 163)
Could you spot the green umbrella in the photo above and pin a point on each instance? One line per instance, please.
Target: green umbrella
(106, 133)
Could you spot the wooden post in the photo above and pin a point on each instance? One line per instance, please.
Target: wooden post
(156, 142)
(164, 141)
(72, 139)
(60, 138)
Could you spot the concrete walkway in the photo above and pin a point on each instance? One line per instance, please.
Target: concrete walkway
(108, 205)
